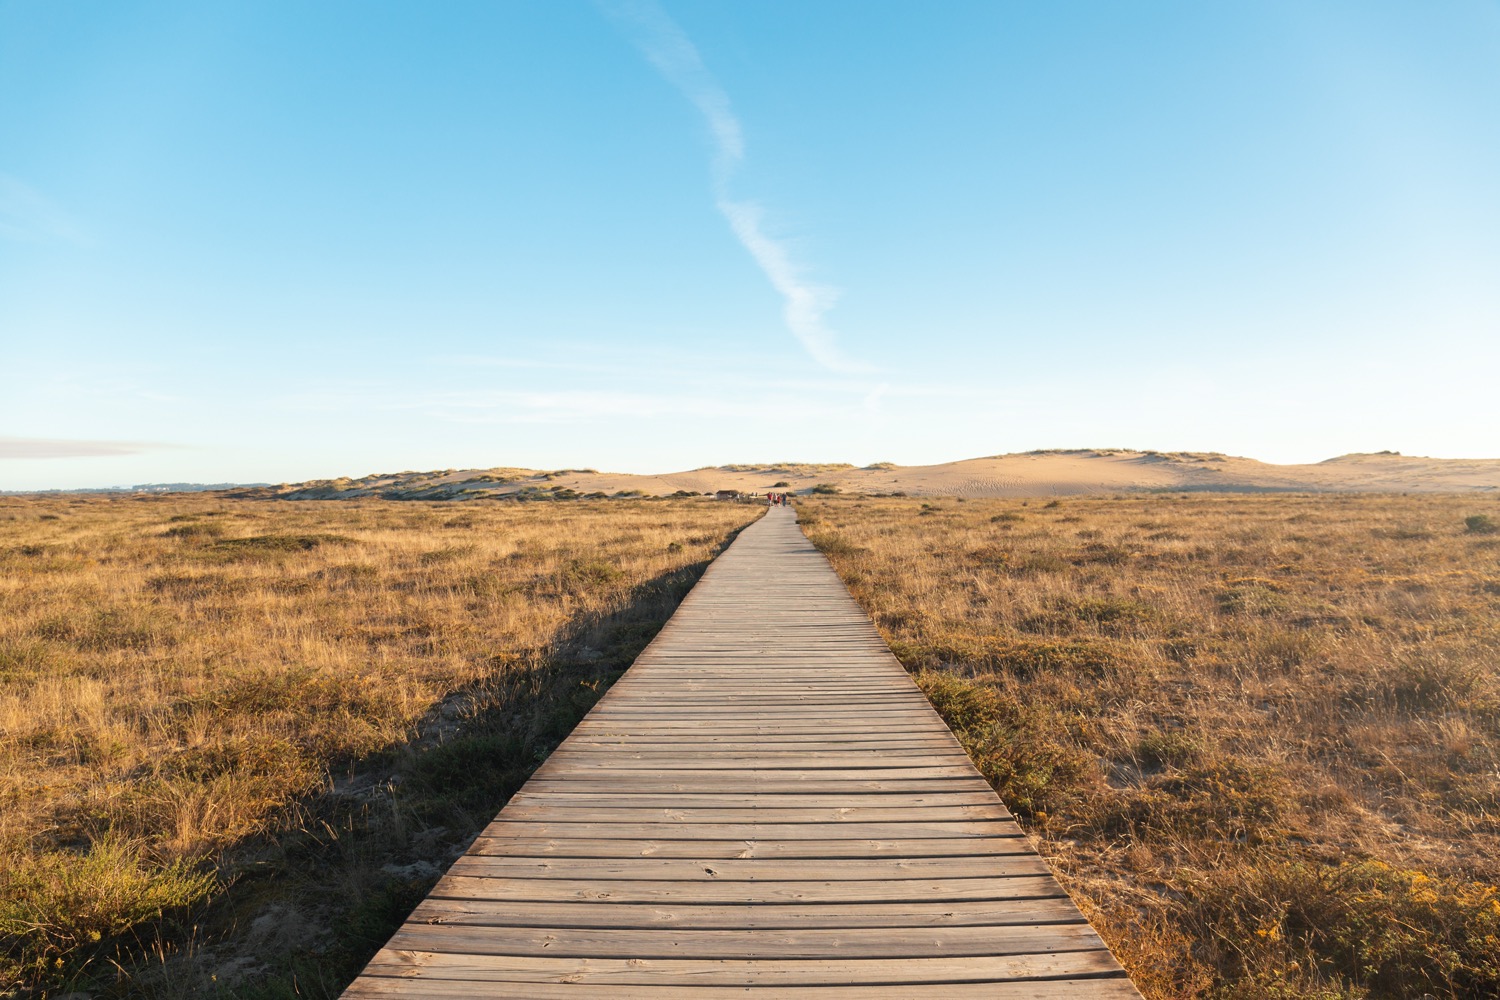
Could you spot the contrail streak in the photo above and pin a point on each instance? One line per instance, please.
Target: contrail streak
(668, 48)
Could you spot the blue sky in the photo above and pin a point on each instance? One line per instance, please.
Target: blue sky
(277, 241)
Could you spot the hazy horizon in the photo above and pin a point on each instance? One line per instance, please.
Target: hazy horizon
(650, 472)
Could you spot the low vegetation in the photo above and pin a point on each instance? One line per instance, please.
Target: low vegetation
(237, 738)
(1259, 737)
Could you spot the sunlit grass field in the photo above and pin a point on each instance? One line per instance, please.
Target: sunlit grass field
(238, 738)
(1259, 736)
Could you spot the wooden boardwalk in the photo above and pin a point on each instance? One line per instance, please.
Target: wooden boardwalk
(765, 805)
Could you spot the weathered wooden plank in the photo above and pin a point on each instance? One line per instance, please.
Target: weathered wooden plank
(738, 761)
(755, 709)
(727, 972)
(782, 916)
(730, 775)
(739, 745)
(730, 703)
(687, 812)
(748, 869)
(670, 891)
(766, 943)
(373, 987)
(832, 849)
(675, 781)
(562, 798)
(504, 827)
(693, 727)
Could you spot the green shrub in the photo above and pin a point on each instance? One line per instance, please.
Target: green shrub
(273, 544)
(1021, 750)
(62, 903)
(1173, 748)
(592, 573)
(1252, 596)
(1386, 932)
(1021, 656)
(828, 543)
(124, 627)
(1038, 562)
(1100, 552)
(191, 531)
(1117, 615)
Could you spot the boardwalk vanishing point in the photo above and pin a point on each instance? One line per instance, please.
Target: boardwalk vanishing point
(764, 805)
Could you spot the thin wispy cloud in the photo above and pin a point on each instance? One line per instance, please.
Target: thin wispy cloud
(33, 448)
(667, 47)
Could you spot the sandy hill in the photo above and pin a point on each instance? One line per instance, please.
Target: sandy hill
(1036, 473)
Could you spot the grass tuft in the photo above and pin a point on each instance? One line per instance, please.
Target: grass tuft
(66, 908)
(281, 543)
(1481, 524)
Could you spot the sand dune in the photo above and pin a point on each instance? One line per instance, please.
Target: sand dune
(1030, 474)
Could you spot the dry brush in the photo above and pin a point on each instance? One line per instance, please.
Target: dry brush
(1258, 735)
(238, 738)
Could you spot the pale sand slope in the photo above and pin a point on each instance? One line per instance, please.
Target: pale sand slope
(1032, 474)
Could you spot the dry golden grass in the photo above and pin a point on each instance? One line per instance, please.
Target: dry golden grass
(235, 736)
(1258, 736)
